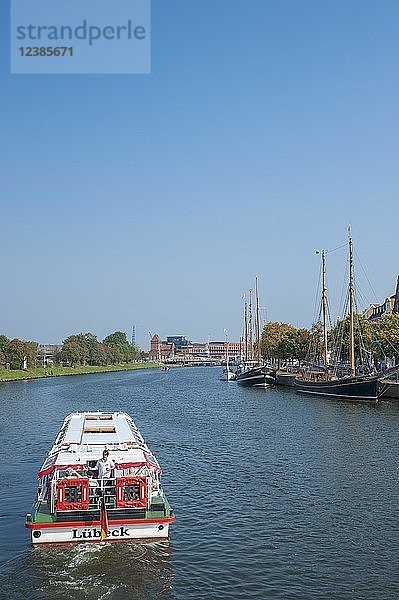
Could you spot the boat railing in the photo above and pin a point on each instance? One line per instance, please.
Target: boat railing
(99, 488)
(76, 492)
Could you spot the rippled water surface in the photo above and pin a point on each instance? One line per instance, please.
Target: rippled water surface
(276, 495)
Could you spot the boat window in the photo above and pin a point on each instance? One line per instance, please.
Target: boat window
(73, 493)
(131, 492)
(99, 418)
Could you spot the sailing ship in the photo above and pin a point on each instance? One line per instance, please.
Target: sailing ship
(227, 373)
(74, 505)
(330, 379)
(253, 372)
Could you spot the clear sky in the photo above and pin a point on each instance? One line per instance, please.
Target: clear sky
(264, 128)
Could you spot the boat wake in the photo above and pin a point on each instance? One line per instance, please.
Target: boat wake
(92, 572)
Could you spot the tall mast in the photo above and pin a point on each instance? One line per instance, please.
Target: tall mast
(242, 338)
(246, 328)
(351, 308)
(251, 333)
(226, 346)
(324, 304)
(257, 319)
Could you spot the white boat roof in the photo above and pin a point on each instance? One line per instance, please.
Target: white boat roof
(100, 428)
(84, 436)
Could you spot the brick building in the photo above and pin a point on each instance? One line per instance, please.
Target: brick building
(196, 349)
(160, 350)
(218, 349)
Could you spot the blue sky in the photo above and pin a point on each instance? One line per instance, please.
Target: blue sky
(264, 128)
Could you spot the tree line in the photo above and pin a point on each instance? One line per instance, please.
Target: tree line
(283, 341)
(17, 352)
(80, 349)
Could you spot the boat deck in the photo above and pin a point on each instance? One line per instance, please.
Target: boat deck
(160, 507)
(42, 513)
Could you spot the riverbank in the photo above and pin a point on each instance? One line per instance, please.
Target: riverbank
(41, 372)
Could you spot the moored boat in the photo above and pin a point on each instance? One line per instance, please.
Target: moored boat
(285, 378)
(390, 389)
(254, 375)
(352, 388)
(389, 383)
(328, 380)
(75, 504)
(227, 373)
(254, 372)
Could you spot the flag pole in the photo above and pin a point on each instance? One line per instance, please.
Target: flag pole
(103, 516)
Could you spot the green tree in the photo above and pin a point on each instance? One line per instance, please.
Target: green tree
(385, 337)
(2, 359)
(288, 347)
(98, 354)
(136, 352)
(71, 352)
(281, 341)
(16, 353)
(58, 357)
(270, 338)
(20, 351)
(316, 343)
(30, 353)
(4, 344)
(90, 344)
(120, 346)
(75, 349)
(117, 338)
(114, 356)
(339, 337)
(304, 341)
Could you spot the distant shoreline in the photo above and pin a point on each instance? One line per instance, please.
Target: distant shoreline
(43, 372)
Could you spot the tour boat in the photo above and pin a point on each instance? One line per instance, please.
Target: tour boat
(73, 505)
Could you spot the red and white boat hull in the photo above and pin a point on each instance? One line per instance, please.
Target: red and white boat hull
(50, 533)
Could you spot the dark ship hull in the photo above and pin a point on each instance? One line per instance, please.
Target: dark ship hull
(257, 377)
(351, 388)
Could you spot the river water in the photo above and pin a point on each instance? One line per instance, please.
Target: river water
(276, 495)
